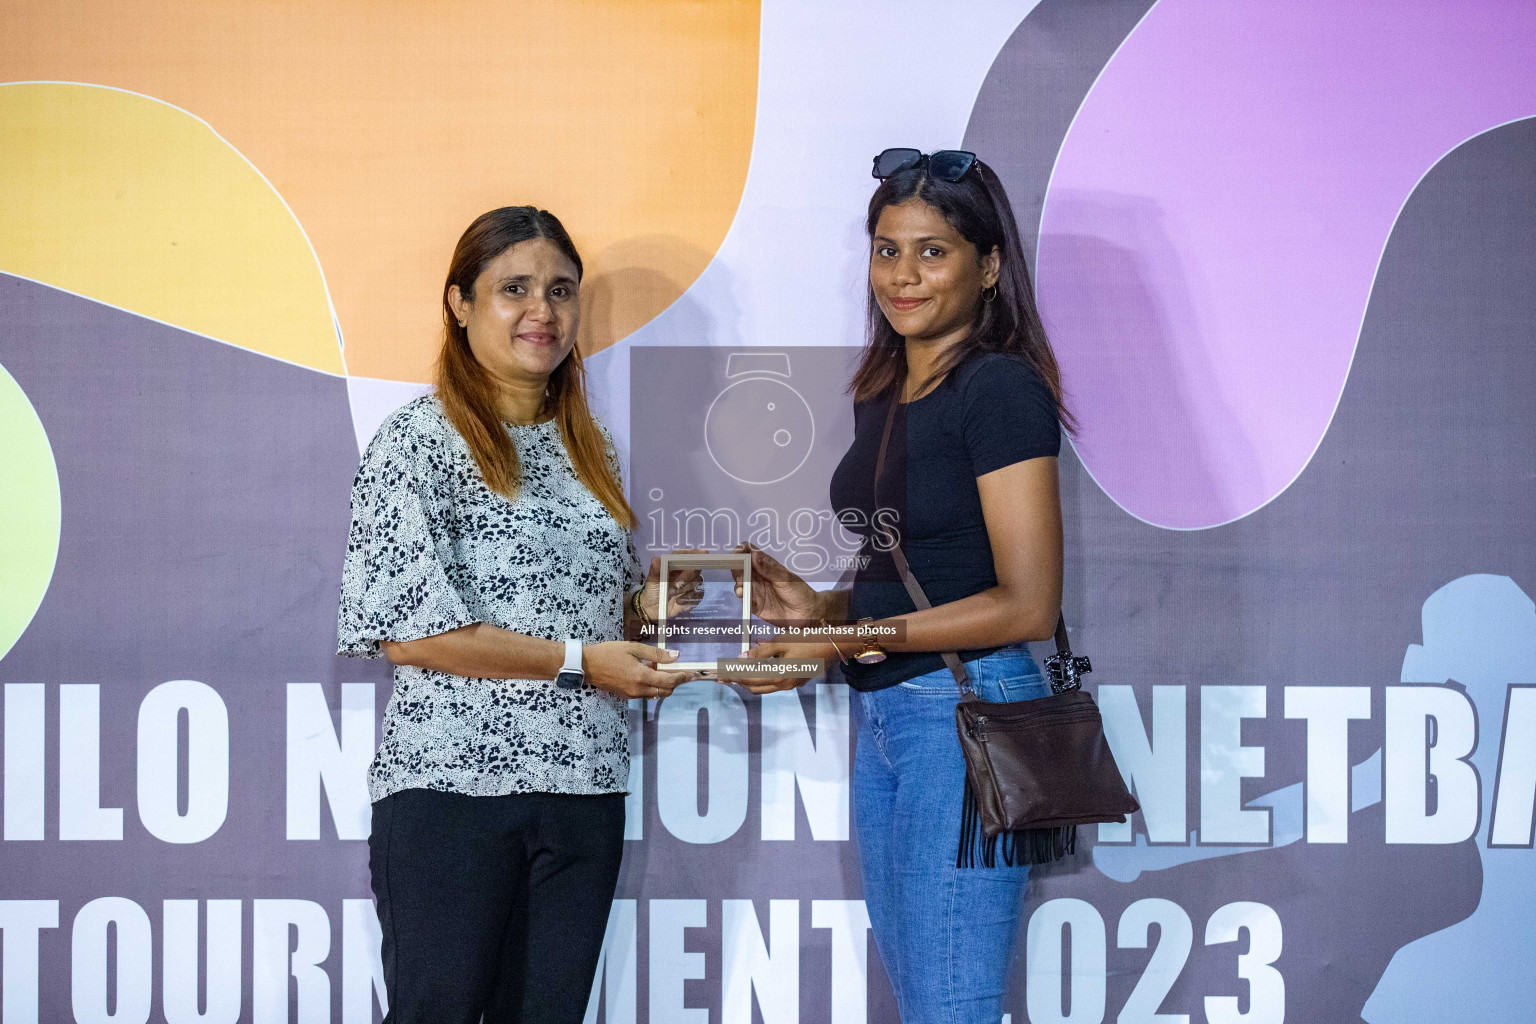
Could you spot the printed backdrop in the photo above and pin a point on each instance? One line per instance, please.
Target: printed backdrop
(1285, 253)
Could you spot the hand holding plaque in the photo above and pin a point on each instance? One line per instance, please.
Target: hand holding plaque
(780, 597)
(683, 591)
(812, 657)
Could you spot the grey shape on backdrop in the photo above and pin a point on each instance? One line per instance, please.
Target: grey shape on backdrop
(1422, 478)
(205, 509)
(1033, 91)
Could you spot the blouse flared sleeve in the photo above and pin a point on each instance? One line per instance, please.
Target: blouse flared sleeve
(395, 581)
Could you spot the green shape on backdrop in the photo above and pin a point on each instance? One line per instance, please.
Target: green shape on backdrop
(29, 512)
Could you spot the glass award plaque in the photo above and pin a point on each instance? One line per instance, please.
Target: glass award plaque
(734, 631)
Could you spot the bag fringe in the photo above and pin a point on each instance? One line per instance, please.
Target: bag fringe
(1021, 846)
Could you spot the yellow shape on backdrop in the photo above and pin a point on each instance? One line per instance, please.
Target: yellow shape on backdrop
(29, 512)
(132, 202)
(387, 127)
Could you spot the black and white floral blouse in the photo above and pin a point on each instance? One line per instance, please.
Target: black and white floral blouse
(433, 548)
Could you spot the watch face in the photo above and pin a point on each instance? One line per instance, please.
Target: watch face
(568, 680)
(873, 656)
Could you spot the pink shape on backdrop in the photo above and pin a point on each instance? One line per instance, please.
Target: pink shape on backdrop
(1216, 216)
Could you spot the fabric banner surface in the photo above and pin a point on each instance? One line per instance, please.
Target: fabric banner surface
(1284, 252)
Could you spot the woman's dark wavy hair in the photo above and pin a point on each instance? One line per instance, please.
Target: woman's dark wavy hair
(977, 207)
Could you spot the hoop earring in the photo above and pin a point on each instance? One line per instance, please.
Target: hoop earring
(988, 298)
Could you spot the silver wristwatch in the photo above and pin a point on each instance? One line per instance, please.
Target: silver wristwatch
(571, 676)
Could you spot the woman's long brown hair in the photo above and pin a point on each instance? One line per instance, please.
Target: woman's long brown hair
(468, 395)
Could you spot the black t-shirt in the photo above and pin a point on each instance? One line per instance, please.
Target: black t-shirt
(991, 411)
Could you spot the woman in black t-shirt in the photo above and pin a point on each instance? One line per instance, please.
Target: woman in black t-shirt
(969, 485)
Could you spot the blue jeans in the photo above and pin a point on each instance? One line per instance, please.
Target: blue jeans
(945, 934)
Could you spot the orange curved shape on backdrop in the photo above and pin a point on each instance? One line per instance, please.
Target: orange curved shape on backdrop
(388, 126)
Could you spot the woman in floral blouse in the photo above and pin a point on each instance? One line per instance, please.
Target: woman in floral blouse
(490, 553)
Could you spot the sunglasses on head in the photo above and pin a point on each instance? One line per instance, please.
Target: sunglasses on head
(944, 164)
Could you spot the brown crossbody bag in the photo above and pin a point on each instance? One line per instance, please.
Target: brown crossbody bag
(1034, 769)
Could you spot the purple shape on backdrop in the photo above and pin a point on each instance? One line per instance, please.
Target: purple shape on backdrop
(1215, 218)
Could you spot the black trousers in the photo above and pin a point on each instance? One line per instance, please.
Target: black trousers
(493, 905)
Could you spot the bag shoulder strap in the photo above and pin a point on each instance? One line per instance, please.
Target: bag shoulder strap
(1063, 668)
